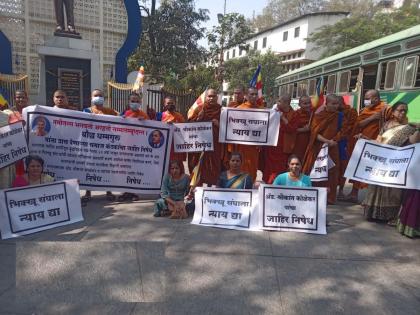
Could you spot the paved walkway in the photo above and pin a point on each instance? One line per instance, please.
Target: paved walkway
(121, 260)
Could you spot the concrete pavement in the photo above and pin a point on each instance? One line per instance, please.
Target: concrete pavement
(121, 260)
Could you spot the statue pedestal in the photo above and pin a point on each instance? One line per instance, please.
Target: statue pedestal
(69, 64)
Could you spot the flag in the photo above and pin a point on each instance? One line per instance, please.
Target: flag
(196, 173)
(256, 82)
(319, 96)
(3, 100)
(197, 104)
(139, 80)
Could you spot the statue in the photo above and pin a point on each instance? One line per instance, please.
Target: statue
(61, 29)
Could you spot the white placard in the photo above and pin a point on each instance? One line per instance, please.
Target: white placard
(31, 209)
(13, 145)
(293, 209)
(323, 163)
(249, 126)
(226, 208)
(385, 165)
(103, 152)
(193, 137)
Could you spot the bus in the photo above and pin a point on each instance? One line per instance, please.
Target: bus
(389, 65)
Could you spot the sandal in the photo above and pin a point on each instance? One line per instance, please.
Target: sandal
(110, 196)
(123, 197)
(87, 197)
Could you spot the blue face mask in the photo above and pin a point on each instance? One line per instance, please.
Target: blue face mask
(135, 106)
(98, 100)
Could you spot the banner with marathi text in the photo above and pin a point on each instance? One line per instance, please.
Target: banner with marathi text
(193, 137)
(12, 144)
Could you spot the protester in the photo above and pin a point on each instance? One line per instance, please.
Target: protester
(250, 153)
(61, 100)
(34, 173)
(238, 97)
(304, 116)
(275, 158)
(367, 127)
(326, 129)
(135, 107)
(212, 161)
(294, 176)
(382, 203)
(234, 177)
(175, 186)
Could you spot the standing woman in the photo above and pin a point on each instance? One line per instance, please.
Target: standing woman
(408, 222)
(383, 203)
(34, 173)
(234, 177)
(294, 177)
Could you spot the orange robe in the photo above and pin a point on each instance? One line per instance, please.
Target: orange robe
(250, 153)
(325, 124)
(275, 158)
(212, 161)
(136, 114)
(235, 104)
(302, 138)
(350, 118)
(174, 117)
(103, 111)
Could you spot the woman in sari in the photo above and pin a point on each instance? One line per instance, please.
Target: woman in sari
(234, 178)
(34, 173)
(383, 203)
(294, 176)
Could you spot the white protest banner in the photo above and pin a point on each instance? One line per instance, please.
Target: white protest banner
(249, 126)
(385, 165)
(226, 208)
(103, 152)
(193, 137)
(13, 144)
(323, 163)
(31, 209)
(293, 209)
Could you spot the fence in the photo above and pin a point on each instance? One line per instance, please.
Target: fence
(10, 83)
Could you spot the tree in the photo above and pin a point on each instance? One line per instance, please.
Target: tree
(169, 45)
(360, 29)
(195, 81)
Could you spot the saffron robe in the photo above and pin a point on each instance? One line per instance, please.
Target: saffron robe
(302, 138)
(174, 117)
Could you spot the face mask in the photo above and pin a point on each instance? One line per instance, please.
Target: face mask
(98, 100)
(135, 106)
(367, 102)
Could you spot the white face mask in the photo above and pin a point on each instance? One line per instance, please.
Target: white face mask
(98, 100)
(135, 106)
(367, 102)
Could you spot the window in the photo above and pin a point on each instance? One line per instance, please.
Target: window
(290, 89)
(264, 42)
(233, 53)
(227, 55)
(410, 71)
(387, 74)
(311, 89)
(297, 31)
(240, 51)
(256, 45)
(354, 74)
(331, 84)
(284, 36)
(302, 88)
(343, 86)
(299, 54)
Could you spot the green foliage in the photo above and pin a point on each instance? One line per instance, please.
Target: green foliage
(195, 81)
(360, 29)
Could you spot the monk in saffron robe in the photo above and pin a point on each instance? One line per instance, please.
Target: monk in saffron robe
(250, 153)
(135, 108)
(304, 114)
(325, 129)
(170, 115)
(367, 126)
(275, 157)
(238, 97)
(212, 161)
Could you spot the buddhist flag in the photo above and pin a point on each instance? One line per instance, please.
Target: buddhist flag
(318, 100)
(257, 83)
(3, 100)
(196, 173)
(197, 104)
(139, 80)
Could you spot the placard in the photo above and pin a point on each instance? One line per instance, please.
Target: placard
(13, 144)
(193, 137)
(293, 209)
(226, 208)
(322, 165)
(105, 153)
(31, 209)
(249, 126)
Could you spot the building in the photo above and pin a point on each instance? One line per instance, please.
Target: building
(288, 39)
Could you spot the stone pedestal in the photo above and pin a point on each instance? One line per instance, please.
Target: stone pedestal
(64, 61)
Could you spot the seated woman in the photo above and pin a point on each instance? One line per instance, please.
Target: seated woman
(234, 178)
(294, 176)
(34, 173)
(175, 186)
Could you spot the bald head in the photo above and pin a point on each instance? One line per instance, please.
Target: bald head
(305, 102)
(252, 95)
(372, 98)
(283, 102)
(332, 103)
(211, 97)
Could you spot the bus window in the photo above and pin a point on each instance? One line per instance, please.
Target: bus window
(289, 89)
(343, 86)
(331, 84)
(387, 75)
(302, 88)
(354, 74)
(369, 76)
(409, 71)
(294, 94)
(311, 88)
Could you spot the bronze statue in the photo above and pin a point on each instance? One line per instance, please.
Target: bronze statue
(61, 28)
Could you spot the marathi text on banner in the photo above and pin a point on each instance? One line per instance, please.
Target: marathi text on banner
(13, 144)
(251, 127)
(293, 209)
(323, 163)
(385, 165)
(103, 152)
(226, 208)
(31, 209)
(193, 137)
